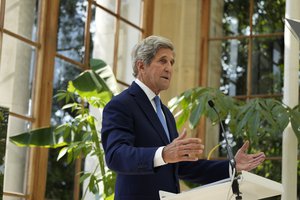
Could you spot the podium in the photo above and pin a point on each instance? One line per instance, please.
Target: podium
(252, 187)
(295, 25)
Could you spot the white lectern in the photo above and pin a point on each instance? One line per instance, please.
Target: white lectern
(295, 25)
(251, 186)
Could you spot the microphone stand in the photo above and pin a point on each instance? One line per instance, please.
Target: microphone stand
(235, 183)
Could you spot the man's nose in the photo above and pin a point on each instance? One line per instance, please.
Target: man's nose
(168, 66)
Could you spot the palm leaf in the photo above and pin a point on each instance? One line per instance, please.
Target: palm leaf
(43, 137)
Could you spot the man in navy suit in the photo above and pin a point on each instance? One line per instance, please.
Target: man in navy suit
(148, 154)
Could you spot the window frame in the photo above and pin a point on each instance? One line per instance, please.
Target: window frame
(45, 46)
(204, 64)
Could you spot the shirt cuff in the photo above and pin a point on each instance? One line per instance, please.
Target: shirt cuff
(158, 159)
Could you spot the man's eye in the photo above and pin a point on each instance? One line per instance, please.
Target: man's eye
(163, 61)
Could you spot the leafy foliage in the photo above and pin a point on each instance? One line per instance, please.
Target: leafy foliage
(3, 132)
(79, 136)
(253, 119)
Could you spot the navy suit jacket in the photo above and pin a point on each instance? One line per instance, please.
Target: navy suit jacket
(131, 134)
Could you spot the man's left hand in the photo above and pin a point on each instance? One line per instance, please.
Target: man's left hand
(246, 161)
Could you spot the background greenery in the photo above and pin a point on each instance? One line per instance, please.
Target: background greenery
(259, 120)
(3, 134)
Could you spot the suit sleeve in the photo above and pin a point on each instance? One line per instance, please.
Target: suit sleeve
(203, 171)
(118, 139)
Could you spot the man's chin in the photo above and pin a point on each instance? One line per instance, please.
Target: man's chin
(165, 87)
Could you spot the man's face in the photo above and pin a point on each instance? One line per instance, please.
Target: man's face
(157, 75)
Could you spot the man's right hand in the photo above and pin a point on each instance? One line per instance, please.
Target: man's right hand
(183, 149)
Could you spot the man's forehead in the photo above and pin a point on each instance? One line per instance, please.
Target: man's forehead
(165, 52)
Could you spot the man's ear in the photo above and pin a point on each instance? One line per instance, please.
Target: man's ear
(140, 65)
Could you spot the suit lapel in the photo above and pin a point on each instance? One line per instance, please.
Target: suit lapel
(146, 106)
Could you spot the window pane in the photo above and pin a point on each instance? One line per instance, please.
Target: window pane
(267, 65)
(103, 36)
(214, 64)
(63, 73)
(216, 18)
(16, 158)
(4, 112)
(60, 176)
(234, 15)
(234, 67)
(21, 17)
(268, 16)
(109, 4)
(16, 77)
(71, 26)
(128, 38)
(131, 10)
(92, 30)
(236, 18)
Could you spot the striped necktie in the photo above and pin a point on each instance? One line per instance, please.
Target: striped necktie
(161, 116)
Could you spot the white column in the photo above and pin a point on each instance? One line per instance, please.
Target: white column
(290, 97)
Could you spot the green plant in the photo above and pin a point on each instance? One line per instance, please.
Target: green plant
(3, 132)
(261, 121)
(79, 137)
(252, 119)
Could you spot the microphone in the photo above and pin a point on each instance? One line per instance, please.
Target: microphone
(235, 184)
(228, 147)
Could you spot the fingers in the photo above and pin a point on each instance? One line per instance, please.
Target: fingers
(249, 162)
(182, 135)
(246, 161)
(190, 149)
(260, 157)
(183, 149)
(256, 157)
(245, 146)
(253, 164)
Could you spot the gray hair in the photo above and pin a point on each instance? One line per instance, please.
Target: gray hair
(146, 50)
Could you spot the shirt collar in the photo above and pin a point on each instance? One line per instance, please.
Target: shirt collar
(150, 94)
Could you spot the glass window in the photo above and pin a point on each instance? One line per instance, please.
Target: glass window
(246, 57)
(251, 53)
(128, 37)
(63, 73)
(108, 4)
(103, 37)
(21, 13)
(267, 16)
(267, 65)
(236, 18)
(71, 26)
(60, 175)
(17, 74)
(4, 112)
(234, 67)
(112, 33)
(16, 168)
(131, 10)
